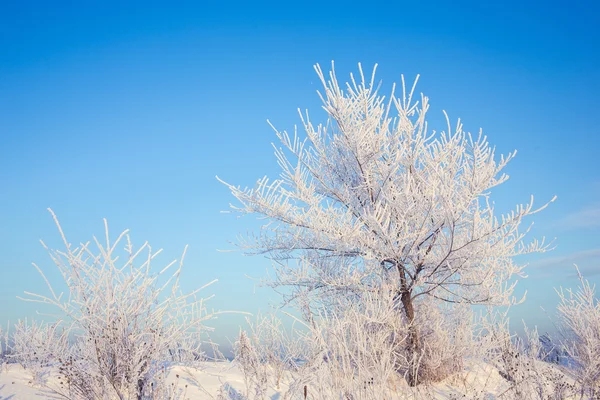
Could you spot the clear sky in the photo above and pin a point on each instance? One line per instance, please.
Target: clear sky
(127, 112)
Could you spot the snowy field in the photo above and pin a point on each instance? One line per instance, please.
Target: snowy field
(223, 380)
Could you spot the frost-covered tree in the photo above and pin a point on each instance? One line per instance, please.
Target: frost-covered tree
(126, 322)
(374, 196)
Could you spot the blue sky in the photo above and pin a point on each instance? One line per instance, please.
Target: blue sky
(127, 112)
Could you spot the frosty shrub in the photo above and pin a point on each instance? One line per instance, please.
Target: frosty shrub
(275, 346)
(38, 346)
(4, 350)
(579, 312)
(373, 197)
(353, 352)
(279, 345)
(448, 337)
(337, 354)
(519, 362)
(126, 324)
(253, 365)
(359, 350)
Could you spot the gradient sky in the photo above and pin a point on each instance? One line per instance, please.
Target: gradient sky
(127, 112)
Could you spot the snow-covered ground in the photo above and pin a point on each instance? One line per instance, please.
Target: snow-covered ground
(16, 383)
(476, 382)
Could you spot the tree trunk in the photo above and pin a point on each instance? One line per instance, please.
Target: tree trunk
(413, 345)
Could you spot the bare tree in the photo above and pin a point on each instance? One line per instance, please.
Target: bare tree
(373, 196)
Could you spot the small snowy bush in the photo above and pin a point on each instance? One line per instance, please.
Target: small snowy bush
(38, 346)
(354, 354)
(4, 350)
(352, 348)
(519, 362)
(253, 365)
(268, 355)
(579, 312)
(124, 321)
